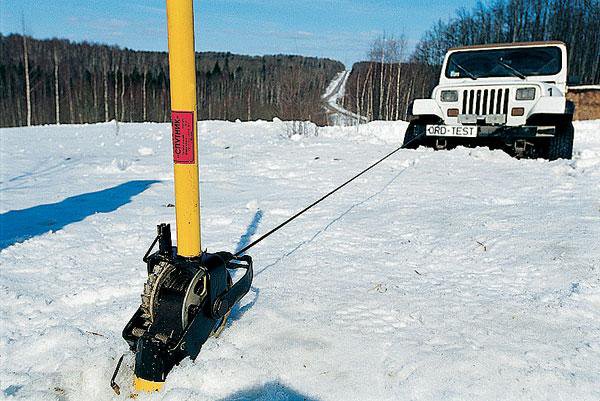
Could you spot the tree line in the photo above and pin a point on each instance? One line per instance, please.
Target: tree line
(575, 22)
(384, 91)
(58, 81)
(383, 88)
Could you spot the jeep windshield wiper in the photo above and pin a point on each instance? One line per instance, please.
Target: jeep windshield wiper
(467, 72)
(511, 69)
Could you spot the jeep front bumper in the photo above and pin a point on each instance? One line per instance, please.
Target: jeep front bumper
(491, 136)
(524, 131)
(503, 132)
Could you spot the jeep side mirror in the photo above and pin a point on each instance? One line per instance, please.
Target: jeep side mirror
(573, 80)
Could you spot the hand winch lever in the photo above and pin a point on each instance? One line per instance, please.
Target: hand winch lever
(165, 244)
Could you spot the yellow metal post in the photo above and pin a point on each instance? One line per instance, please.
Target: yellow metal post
(146, 386)
(182, 68)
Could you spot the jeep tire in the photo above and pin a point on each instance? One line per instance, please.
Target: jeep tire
(415, 133)
(412, 132)
(561, 145)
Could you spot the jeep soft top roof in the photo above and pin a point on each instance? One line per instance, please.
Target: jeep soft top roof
(514, 44)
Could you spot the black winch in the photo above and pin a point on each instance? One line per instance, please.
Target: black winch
(184, 302)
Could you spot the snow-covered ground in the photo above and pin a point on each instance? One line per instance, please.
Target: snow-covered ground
(440, 275)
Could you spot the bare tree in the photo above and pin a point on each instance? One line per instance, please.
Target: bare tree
(398, 51)
(115, 67)
(56, 87)
(358, 102)
(122, 94)
(145, 110)
(27, 81)
(386, 51)
(105, 81)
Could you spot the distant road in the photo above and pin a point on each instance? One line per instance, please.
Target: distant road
(336, 114)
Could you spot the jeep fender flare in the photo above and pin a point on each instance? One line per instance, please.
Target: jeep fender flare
(426, 107)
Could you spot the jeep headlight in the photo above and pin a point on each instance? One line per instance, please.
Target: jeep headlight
(525, 93)
(449, 96)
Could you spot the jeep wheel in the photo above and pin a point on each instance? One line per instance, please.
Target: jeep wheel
(561, 145)
(412, 132)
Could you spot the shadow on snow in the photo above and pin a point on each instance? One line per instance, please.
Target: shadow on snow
(237, 311)
(268, 392)
(20, 225)
(250, 231)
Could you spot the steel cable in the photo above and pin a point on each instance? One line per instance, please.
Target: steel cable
(289, 220)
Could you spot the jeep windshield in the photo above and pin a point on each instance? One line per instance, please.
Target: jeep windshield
(512, 62)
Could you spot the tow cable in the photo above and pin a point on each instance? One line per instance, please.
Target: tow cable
(183, 291)
(321, 199)
(189, 293)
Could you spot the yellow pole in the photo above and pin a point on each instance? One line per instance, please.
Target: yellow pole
(182, 69)
(146, 386)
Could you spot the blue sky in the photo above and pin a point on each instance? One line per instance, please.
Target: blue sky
(339, 29)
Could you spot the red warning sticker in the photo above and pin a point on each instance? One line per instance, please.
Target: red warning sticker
(183, 137)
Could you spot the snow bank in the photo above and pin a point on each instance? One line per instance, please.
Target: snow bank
(440, 275)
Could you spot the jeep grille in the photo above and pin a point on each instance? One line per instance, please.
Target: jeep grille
(482, 102)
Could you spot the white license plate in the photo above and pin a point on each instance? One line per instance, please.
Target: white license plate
(451, 130)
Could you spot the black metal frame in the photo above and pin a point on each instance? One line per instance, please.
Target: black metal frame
(165, 343)
(491, 136)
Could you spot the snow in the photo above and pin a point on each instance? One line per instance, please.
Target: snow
(334, 93)
(440, 275)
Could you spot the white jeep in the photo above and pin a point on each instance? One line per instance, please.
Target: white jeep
(507, 96)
